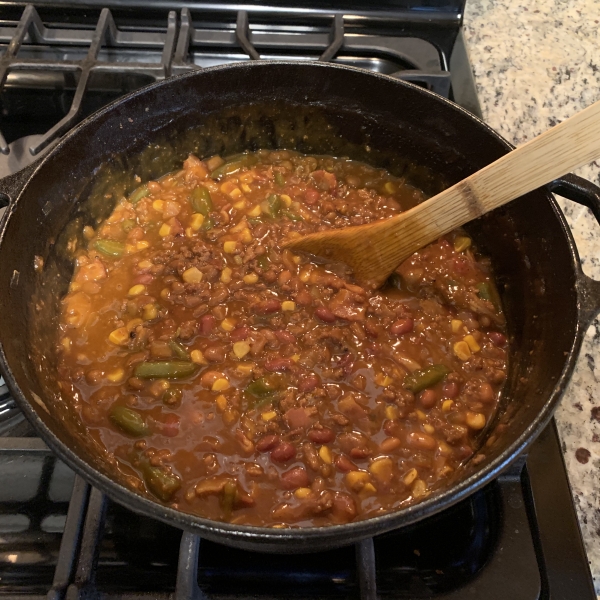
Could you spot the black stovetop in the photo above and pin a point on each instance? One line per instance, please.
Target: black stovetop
(516, 539)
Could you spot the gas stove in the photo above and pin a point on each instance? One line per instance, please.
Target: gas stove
(517, 538)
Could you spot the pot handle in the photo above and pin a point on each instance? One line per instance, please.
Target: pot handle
(583, 192)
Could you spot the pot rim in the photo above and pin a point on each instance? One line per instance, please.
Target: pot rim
(264, 538)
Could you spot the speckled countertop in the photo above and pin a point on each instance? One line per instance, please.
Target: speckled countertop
(536, 63)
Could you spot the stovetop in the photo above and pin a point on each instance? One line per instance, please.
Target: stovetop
(517, 538)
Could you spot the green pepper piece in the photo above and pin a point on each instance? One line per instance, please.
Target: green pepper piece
(279, 178)
(139, 193)
(254, 220)
(172, 397)
(179, 350)
(167, 369)
(128, 224)
(487, 291)
(274, 202)
(229, 495)
(162, 484)
(109, 247)
(201, 200)
(231, 166)
(263, 387)
(129, 420)
(290, 215)
(263, 262)
(425, 378)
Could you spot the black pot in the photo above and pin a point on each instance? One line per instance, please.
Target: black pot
(313, 108)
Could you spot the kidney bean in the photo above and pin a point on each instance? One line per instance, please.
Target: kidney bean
(309, 383)
(311, 196)
(285, 337)
(207, 324)
(267, 307)
(303, 298)
(450, 389)
(239, 334)
(344, 464)
(324, 314)
(295, 478)
(427, 398)
(497, 338)
(283, 452)
(343, 509)
(486, 393)
(321, 436)
(215, 353)
(267, 442)
(168, 425)
(144, 278)
(402, 326)
(279, 364)
(297, 417)
(420, 441)
(389, 444)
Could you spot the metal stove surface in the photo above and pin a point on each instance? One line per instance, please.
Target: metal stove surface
(518, 538)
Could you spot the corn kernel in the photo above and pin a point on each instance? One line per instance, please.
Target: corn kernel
(389, 187)
(246, 188)
(165, 293)
(116, 375)
(150, 312)
(246, 236)
(245, 368)
(136, 290)
(235, 193)
(220, 385)
(296, 259)
(142, 245)
(382, 469)
(144, 264)
(240, 205)
(189, 232)
(475, 420)
(251, 278)
(430, 429)
(391, 412)
(461, 243)
(295, 357)
(447, 405)
(240, 349)
(66, 344)
(230, 416)
(410, 477)
(420, 415)
(419, 488)
(462, 350)
(196, 221)
(239, 227)
(356, 480)
(119, 337)
(226, 275)
(383, 380)
(164, 230)
(286, 200)
(197, 357)
(221, 402)
(305, 273)
(229, 247)
(288, 305)
(131, 325)
(129, 248)
(228, 324)
(192, 275)
(158, 205)
(228, 187)
(368, 488)
(254, 212)
(472, 343)
(325, 454)
(269, 415)
(302, 492)
(456, 325)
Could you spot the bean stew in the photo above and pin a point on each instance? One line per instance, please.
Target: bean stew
(230, 378)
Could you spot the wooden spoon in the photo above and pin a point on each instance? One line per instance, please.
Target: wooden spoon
(375, 250)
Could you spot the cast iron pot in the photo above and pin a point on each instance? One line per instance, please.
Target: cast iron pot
(313, 108)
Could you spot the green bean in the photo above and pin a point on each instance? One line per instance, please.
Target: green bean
(290, 215)
(279, 178)
(167, 369)
(263, 387)
(179, 350)
(231, 166)
(160, 483)
(274, 202)
(254, 220)
(201, 200)
(425, 378)
(208, 224)
(138, 194)
(109, 247)
(487, 291)
(228, 498)
(129, 420)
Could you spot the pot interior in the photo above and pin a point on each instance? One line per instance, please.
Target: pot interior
(313, 109)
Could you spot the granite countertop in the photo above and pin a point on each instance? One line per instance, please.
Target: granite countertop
(535, 64)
